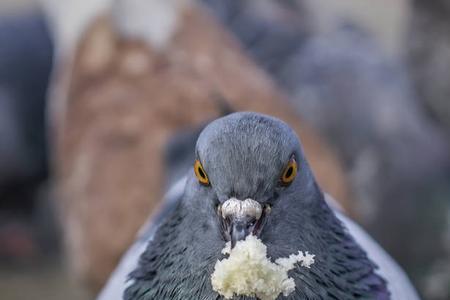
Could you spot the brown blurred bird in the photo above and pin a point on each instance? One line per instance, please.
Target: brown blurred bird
(129, 76)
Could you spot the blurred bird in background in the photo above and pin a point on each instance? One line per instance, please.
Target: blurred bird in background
(25, 64)
(127, 90)
(364, 84)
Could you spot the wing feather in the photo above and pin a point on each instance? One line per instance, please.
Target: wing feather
(118, 281)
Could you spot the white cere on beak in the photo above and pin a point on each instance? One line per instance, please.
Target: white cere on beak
(241, 208)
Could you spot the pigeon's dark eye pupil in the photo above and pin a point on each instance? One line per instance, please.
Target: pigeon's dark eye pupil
(289, 172)
(200, 171)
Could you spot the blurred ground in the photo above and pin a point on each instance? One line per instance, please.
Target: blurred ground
(39, 280)
(10, 6)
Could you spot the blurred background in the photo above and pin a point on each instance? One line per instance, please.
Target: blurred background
(100, 100)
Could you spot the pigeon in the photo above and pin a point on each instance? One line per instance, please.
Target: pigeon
(249, 156)
(26, 54)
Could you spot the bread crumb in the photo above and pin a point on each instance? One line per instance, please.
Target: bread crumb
(249, 272)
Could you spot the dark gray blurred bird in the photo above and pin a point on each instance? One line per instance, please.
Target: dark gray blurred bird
(253, 156)
(26, 53)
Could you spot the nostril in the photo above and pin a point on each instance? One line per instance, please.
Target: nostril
(219, 209)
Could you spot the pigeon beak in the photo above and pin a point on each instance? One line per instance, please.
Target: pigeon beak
(240, 228)
(239, 218)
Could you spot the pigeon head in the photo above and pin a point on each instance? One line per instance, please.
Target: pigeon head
(246, 163)
(250, 176)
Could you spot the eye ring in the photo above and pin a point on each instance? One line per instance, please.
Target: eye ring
(200, 173)
(289, 173)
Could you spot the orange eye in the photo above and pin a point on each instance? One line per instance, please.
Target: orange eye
(289, 172)
(200, 173)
